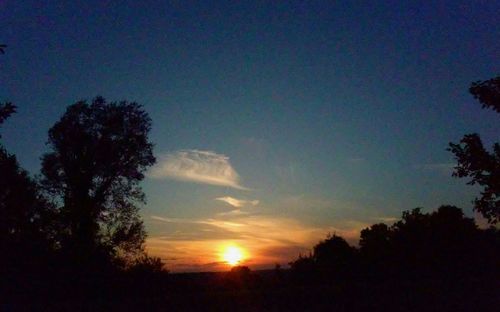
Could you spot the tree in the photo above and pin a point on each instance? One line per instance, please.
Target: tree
(6, 109)
(147, 265)
(25, 215)
(334, 250)
(100, 152)
(475, 162)
(375, 243)
(487, 93)
(333, 256)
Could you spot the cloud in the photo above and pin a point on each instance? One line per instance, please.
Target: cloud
(234, 212)
(387, 219)
(197, 166)
(238, 203)
(445, 168)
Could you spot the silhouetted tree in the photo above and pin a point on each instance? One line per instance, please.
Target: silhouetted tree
(334, 255)
(487, 93)
(6, 109)
(444, 241)
(303, 268)
(147, 265)
(331, 257)
(100, 152)
(25, 215)
(375, 247)
(475, 162)
(240, 276)
(240, 270)
(2, 48)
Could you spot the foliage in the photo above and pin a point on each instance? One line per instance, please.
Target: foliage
(375, 243)
(26, 217)
(22, 208)
(303, 264)
(487, 93)
(333, 254)
(475, 162)
(6, 109)
(100, 152)
(147, 265)
(420, 244)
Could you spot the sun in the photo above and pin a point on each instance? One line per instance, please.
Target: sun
(233, 255)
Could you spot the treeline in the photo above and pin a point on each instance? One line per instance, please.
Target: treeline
(443, 244)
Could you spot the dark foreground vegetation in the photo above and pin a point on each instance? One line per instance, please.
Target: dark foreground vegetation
(437, 261)
(72, 238)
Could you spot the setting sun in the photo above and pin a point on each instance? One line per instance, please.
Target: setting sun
(233, 255)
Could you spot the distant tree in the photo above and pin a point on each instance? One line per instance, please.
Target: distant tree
(240, 270)
(240, 276)
(278, 272)
(475, 162)
(147, 265)
(334, 255)
(303, 265)
(100, 152)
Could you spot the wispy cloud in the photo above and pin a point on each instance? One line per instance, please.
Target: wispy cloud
(238, 203)
(234, 212)
(386, 219)
(197, 166)
(445, 168)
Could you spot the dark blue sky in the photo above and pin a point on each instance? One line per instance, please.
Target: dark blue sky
(318, 116)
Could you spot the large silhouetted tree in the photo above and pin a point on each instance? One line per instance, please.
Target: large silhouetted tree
(100, 152)
(478, 164)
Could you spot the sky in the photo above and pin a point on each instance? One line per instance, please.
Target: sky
(274, 122)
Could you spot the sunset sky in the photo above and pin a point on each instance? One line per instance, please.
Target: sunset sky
(274, 123)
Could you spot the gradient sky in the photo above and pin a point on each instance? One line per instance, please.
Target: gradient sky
(274, 123)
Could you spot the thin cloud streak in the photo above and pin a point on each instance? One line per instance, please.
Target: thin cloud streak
(238, 203)
(446, 168)
(205, 167)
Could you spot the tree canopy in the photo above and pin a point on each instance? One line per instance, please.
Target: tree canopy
(475, 161)
(100, 152)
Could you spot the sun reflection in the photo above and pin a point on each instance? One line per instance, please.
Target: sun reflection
(232, 255)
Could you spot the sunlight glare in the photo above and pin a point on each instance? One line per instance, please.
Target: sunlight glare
(233, 255)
